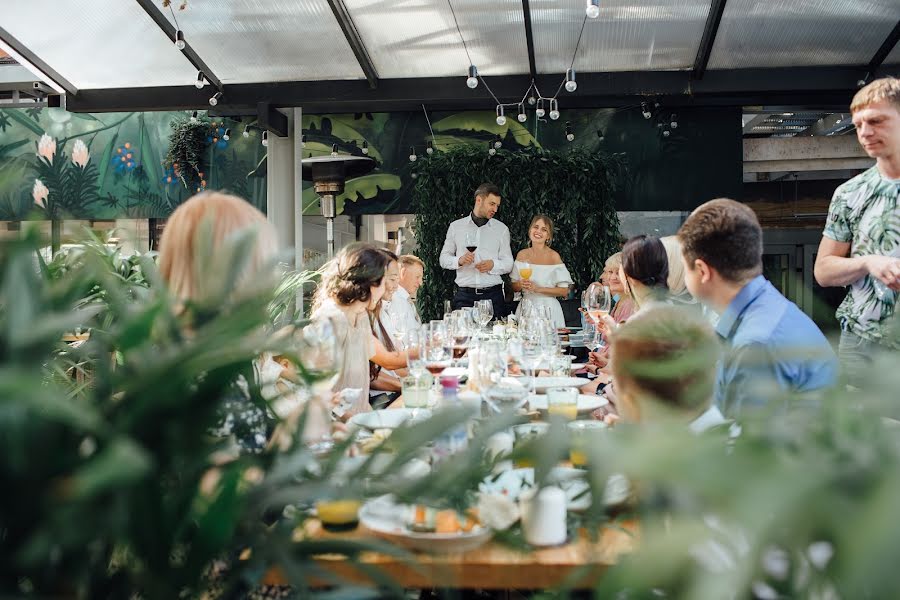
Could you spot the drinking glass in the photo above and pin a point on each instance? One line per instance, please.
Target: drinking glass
(471, 241)
(320, 362)
(563, 401)
(437, 354)
(525, 270)
(597, 301)
(416, 352)
(485, 311)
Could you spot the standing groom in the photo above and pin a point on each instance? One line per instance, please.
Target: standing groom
(478, 271)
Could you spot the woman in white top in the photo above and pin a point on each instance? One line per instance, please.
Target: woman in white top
(539, 273)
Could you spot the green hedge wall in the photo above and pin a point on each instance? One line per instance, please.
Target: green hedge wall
(576, 188)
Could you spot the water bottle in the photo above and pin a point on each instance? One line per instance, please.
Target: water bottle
(455, 439)
(883, 292)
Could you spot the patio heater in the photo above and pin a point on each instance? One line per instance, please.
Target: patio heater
(328, 174)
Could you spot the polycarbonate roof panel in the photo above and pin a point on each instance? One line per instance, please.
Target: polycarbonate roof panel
(250, 41)
(627, 36)
(801, 33)
(894, 57)
(97, 43)
(418, 38)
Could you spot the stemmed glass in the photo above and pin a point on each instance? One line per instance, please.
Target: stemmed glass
(416, 360)
(485, 311)
(597, 301)
(471, 241)
(437, 349)
(532, 355)
(320, 363)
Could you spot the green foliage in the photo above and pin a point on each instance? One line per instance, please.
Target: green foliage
(575, 188)
(187, 151)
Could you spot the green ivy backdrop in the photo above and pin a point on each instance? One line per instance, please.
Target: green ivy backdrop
(576, 188)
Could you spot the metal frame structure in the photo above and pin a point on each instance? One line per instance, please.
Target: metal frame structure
(355, 40)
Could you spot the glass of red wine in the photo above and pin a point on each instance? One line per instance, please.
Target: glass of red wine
(471, 241)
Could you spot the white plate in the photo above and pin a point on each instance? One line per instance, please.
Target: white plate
(386, 518)
(453, 372)
(514, 482)
(586, 402)
(542, 383)
(389, 418)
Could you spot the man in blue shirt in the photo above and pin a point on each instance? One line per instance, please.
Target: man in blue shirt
(772, 347)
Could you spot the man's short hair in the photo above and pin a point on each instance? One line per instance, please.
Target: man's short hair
(486, 189)
(886, 88)
(725, 235)
(407, 260)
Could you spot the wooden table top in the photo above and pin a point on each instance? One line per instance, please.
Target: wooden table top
(492, 566)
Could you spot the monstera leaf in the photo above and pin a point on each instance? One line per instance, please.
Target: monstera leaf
(337, 127)
(355, 190)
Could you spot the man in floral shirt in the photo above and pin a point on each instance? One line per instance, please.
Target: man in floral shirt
(861, 243)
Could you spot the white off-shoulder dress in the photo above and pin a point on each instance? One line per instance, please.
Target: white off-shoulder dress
(544, 276)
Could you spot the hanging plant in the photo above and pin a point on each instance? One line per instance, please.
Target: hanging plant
(187, 153)
(168, 3)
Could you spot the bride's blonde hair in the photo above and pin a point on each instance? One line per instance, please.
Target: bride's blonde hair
(178, 264)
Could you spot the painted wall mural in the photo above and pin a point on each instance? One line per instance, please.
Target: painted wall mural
(56, 164)
(668, 168)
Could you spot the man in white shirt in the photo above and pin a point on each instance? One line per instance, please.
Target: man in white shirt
(477, 248)
(399, 315)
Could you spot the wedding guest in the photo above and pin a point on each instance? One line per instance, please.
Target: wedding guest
(539, 272)
(477, 248)
(623, 306)
(772, 346)
(399, 314)
(385, 380)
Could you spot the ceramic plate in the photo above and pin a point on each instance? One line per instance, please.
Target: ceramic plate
(388, 519)
(390, 418)
(586, 402)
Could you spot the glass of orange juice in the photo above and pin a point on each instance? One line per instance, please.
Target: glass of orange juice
(563, 401)
(582, 434)
(525, 271)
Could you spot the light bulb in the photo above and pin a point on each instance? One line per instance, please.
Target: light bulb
(214, 99)
(600, 134)
(498, 142)
(673, 121)
(571, 85)
(647, 114)
(265, 139)
(554, 109)
(501, 116)
(303, 141)
(334, 150)
(179, 40)
(194, 117)
(429, 149)
(246, 133)
(412, 154)
(666, 133)
(532, 100)
(540, 109)
(227, 135)
(554, 114)
(472, 80)
(522, 117)
(492, 151)
(570, 136)
(592, 10)
(201, 81)
(365, 148)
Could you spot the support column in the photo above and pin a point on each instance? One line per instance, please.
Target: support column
(280, 189)
(297, 139)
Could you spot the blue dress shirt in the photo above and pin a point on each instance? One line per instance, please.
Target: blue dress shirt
(772, 347)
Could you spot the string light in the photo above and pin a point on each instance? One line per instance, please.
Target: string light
(429, 148)
(501, 116)
(645, 110)
(265, 139)
(201, 80)
(498, 142)
(592, 10)
(673, 121)
(472, 80)
(540, 112)
(491, 150)
(571, 85)
(246, 132)
(412, 154)
(179, 40)
(522, 117)
(194, 116)
(334, 150)
(227, 135)
(666, 133)
(569, 135)
(365, 148)
(532, 100)
(600, 135)
(554, 109)
(214, 99)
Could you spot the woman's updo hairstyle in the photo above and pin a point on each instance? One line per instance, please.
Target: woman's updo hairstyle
(350, 275)
(644, 259)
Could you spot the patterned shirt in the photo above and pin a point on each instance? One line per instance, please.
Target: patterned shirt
(864, 213)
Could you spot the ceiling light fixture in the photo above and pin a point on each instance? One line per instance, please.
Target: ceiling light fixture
(472, 80)
(501, 116)
(592, 10)
(201, 80)
(214, 99)
(571, 85)
(179, 40)
(265, 139)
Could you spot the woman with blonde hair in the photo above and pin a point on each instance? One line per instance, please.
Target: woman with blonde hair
(678, 292)
(195, 262)
(539, 272)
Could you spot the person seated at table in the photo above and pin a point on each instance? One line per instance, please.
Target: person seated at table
(399, 315)
(182, 267)
(663, 367)
(772, 347)
(623, 307)
(352, 284)
(539, 273)
(384, 379)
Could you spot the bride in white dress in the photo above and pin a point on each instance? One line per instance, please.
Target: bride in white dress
(539, 273)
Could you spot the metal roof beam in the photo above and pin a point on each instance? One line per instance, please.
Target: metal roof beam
(28, 59)
(529, 38)
(885, 48)
(170, 30)
(716, 9)
(355, 40)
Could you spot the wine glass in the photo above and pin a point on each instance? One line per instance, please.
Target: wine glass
(320, 363)
(525, 270)
(485, 311)
(597, 301)
(471, 241)
(437, 353)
